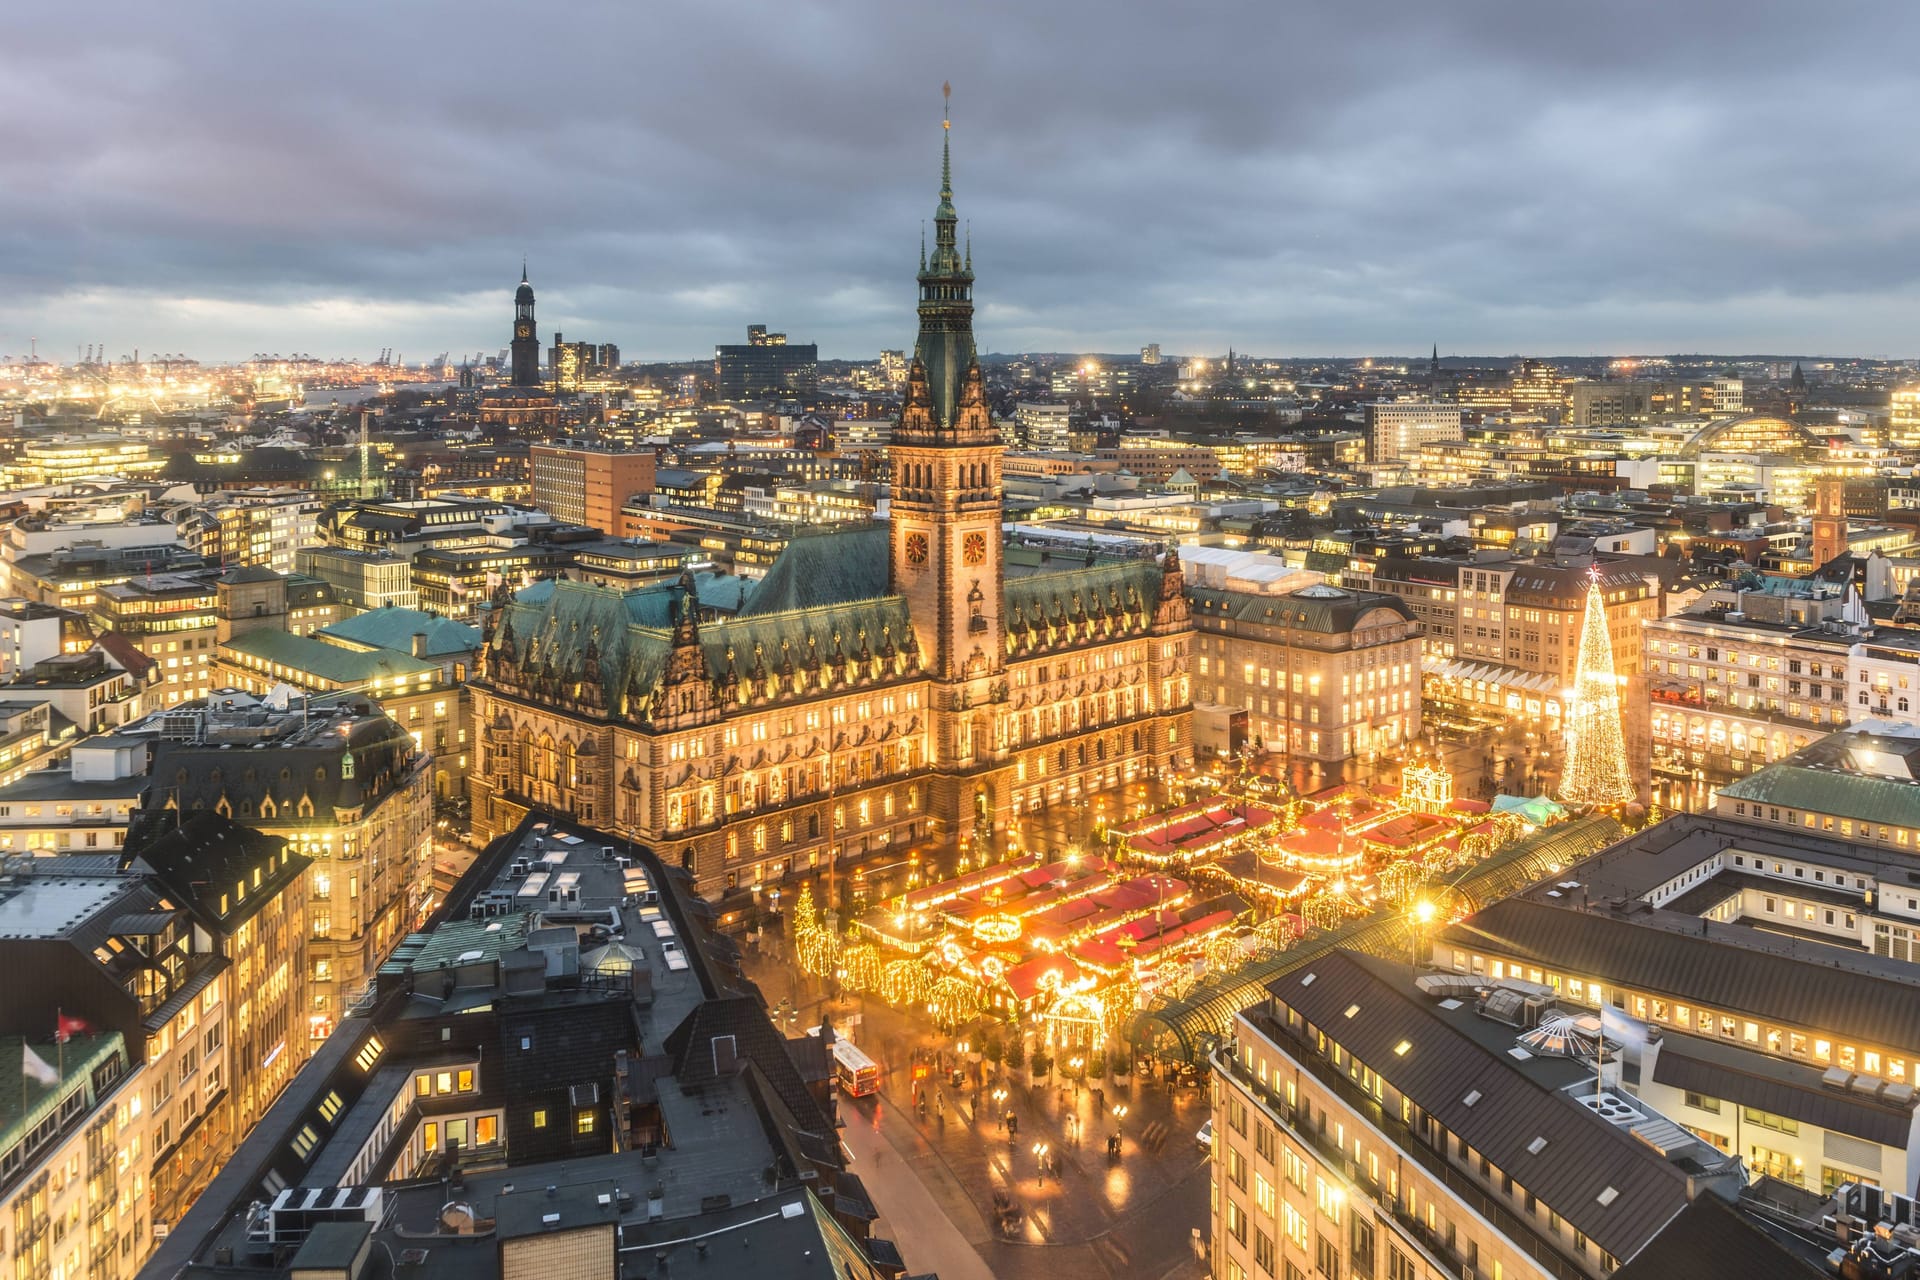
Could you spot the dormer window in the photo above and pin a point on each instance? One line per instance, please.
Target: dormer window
(346, 765)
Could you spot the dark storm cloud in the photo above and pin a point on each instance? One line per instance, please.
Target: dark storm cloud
(1306, 178)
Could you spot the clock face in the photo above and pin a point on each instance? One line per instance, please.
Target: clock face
(523, 330)
(974, 548)
(916, 548)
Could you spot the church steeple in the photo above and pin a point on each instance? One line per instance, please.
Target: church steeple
(526, 347)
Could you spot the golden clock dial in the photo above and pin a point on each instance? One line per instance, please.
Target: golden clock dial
(916, 548)
(524, 331)
(974, 548)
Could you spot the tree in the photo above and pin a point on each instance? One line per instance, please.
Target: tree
(1017, 1051)
(1596, 775)
(993, 1049)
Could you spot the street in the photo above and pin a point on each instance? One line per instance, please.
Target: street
(941, 1175)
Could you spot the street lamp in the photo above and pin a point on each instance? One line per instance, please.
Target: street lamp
(1423, 913)
(1040, 1161)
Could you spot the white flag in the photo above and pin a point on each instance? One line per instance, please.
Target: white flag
(37, 1067)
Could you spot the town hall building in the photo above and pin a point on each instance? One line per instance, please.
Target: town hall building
(916, 681)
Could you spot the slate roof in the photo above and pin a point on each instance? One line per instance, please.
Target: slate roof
(1711, 1238)
(1709, 968)
(1583, 1155)
(1309, 609)
(755, 1040)
(1126, 591)
(206, 852)
(1749, 1079)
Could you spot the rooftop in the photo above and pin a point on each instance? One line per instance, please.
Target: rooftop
(1611, 1167)
(331, 663)
(393, 628)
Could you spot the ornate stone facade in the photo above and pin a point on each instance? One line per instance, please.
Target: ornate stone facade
(882, 686)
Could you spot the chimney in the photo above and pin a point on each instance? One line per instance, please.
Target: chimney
(419, 644)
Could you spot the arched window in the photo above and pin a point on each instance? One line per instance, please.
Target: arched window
(346, 764)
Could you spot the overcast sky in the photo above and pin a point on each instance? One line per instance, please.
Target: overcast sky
(1288, 178)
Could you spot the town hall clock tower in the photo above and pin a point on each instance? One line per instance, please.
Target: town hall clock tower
(946, 517)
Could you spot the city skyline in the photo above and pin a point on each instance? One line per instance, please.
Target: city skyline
(1401, 178)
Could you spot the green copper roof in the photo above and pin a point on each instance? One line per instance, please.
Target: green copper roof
(825, 568)
(392, 628)
(327, 662)
(1890, 802)
(945, 347)
(1118, 586)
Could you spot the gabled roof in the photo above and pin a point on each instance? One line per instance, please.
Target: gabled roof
(125, 654)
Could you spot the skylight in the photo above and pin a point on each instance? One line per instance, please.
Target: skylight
(1473, 1096)
(1608, 1196)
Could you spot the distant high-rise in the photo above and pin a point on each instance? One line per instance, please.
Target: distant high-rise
(526, 347)
(767, 365)
(1150, 354)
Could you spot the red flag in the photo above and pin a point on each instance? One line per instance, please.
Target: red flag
(66, 1028)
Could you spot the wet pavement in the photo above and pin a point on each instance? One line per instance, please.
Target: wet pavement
(1089, 1214)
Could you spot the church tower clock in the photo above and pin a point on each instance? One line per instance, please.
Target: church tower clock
(526, 347)
(946, 514)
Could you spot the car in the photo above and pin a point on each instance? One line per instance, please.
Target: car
(1205, 1136)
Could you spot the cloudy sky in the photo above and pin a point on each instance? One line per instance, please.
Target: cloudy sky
(1289, 178)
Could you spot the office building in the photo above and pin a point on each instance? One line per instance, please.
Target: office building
(587, 484)
(1397, 428)
(1747, 675)
(767, 365)
(1323, 673)
(1150, 354)
(1372, 1124)
(1752, 975)
(63, 459)
(574, 364)
(362, 579)
(1618, 403)
(345, 786)
(171, 618)
(1903, 423)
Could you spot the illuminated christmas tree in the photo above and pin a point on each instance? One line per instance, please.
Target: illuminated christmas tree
(1595, 775)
